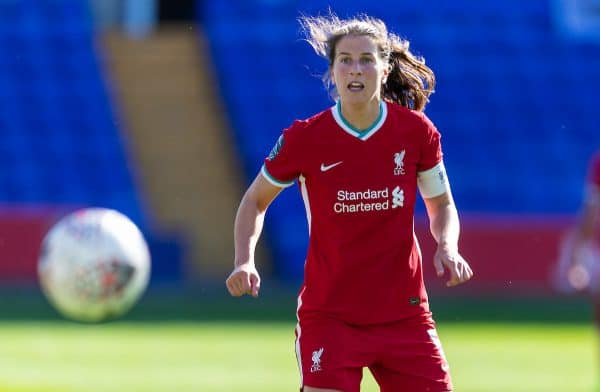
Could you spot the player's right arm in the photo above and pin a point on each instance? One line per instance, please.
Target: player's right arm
(248, 225)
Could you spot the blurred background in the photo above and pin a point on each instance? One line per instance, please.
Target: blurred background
(164, 110)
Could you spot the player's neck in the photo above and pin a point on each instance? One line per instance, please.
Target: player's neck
(361, 115)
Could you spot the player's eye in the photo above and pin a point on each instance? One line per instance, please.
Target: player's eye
(345, 60)
(366, 60)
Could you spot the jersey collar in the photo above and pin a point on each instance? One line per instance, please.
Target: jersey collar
(364, 134)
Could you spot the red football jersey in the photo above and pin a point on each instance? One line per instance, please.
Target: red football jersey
(359, 188)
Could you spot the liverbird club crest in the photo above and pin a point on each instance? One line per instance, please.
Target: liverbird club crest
(399, 161)
(316, 358)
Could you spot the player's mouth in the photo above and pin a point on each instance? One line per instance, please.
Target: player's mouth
(355, 86)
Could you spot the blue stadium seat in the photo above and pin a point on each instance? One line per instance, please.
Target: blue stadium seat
(57, 128)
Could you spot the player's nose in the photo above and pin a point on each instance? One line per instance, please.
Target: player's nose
(356, 69)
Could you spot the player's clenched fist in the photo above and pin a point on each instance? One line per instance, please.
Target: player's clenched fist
(243, 280)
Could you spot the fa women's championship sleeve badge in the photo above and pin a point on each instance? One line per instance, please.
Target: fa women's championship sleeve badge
(399, 161)
(276, 148)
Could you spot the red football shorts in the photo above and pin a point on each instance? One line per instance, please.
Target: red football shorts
(402, 356)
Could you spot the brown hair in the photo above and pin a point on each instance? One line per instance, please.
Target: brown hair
(409, 83)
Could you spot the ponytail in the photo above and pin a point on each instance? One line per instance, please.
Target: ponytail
(410, 82)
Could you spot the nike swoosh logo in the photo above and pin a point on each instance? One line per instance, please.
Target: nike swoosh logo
(325, 168)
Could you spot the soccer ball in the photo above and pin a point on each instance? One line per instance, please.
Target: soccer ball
(94, 265)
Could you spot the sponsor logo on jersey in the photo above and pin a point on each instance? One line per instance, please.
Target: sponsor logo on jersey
(399, 161)
(325, 168)
(368, 200)
(397, 197)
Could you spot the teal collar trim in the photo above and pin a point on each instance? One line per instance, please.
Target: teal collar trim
(364, 134)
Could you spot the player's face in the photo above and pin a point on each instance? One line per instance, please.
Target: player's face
(358, 71)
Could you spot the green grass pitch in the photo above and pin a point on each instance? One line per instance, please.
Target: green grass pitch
(147, 356)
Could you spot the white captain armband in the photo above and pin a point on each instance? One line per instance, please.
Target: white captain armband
(433, 182)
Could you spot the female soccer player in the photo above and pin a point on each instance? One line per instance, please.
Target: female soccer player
(578, 267)
(358, 165)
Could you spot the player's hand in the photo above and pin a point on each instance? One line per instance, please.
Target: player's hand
(458, 268)
(243, 280)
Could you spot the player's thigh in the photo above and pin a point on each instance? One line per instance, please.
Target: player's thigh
(329, 355)
(390, 380)
(411, 358)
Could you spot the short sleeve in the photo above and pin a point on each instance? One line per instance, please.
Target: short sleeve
(282, 166)
(431, 148)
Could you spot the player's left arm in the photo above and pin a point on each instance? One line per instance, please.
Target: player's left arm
(444, 224)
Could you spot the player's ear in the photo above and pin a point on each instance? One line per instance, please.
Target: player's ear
(386, 72)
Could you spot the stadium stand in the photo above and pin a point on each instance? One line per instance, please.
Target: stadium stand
(60, 139)
(61, 145)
